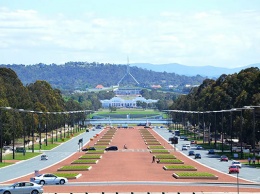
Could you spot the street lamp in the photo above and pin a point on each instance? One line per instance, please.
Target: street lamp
(1, 132)
(253, 108)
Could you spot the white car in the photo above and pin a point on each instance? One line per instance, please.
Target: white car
(184, 147)
(22, 187)
(44, 157)
(49, 179)
(236, 163)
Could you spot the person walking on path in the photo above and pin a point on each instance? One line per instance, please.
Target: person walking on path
(253, 159)
(249, 160)
(153, 159)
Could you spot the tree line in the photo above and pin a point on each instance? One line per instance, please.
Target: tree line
(228, 92)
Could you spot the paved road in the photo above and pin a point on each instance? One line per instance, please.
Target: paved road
(246, 172)
(68, 148)
(56, 155)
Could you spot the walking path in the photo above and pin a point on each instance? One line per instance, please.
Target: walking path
(132, 170)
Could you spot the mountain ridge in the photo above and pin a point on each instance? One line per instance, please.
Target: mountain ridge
(207, 71)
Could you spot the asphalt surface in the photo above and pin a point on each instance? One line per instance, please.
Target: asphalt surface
(56, 155)
(66, 149)
(213, 160)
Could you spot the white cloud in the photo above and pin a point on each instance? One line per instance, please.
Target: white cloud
(199, 38)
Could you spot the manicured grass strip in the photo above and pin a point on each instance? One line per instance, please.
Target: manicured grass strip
(180, 167)
(194, 175)
(100, 147)
(74, 168)
(155, 147)
(160, 151)
(85, 161)
(171, 161)
(153, 143)
(164, 156)
(91, 156)
(101, 151)
(20, 156)
(102, 143)
(67, 175)
(5, 164)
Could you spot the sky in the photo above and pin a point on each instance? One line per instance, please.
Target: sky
(221, 33)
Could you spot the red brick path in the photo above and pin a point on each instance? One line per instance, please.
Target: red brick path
(128, 165)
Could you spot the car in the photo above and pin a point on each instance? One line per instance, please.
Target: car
(111, 148)
(233, 169)
(89, 148)
(211, 151)
(22, 187)
(191, 153)
(192, 142)
(185, 139)
(199, 147)
(236, 163)
(188, 145)
(48, 179)
(44, 157)
(223, 158)
(197, 156)
(184, 147)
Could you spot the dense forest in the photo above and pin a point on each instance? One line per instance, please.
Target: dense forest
(82, 75)
(39, 97)
(226, 93)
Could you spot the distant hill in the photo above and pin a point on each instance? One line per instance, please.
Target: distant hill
(208, 71)
(83, 75)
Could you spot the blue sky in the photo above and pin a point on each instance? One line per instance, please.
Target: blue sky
(223, 33)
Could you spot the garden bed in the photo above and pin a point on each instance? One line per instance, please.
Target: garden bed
(164, 156)
(194, 175)
(180, 168)
(160, 151)
(68, 175)
(85, 161)
(171, 161)
(91, 156)
(75, 168)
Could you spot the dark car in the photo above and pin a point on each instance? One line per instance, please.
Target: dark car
(191, 153)
(211, 151)
(197, 155)
(223, 158)
(111, 148)
(87, 149)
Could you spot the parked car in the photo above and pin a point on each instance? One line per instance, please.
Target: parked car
(191, 153)
(236, 163)
(51, 179)
(22, 187)
(233, 169)
(89, 148)
(111, 148)
(44, 157)
(184, 147)
(211, 151)
(197, 156)
(223, 158)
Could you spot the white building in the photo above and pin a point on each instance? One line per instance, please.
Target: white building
(123, 103)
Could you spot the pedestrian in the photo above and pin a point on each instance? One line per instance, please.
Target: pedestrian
(253, 159)
(125, 146)
(158, 160)
(153, 159)
(249, 160)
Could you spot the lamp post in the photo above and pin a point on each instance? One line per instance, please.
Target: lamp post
(1, 133)
(253, 108)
